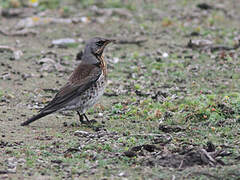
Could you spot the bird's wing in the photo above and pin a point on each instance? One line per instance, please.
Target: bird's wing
(80, 80)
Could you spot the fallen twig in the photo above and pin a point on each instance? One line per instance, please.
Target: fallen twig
(207, 158)
(137, 42)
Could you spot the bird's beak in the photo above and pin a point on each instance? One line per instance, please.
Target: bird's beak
(110, 40)
(107, 41)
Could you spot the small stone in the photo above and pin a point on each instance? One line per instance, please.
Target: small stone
(115, 60)
(5, 176)
(84, 19)
(63, 42)
(21, 161)
(46, 60)
(3, 172)
(12, 170)
(81, 133)
(100, 115)
(165, 55)
(121, 174)
(18, 54)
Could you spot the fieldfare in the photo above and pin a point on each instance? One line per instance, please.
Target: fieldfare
(84, 87)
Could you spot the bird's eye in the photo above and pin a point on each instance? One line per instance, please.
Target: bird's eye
(100, 43)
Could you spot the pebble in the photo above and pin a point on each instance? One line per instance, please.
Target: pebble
(5, 176)
(81, 133)
(12, 170)
(61, 42)
(100, 115)
(21, 161)
(121, 174)
(165, 55)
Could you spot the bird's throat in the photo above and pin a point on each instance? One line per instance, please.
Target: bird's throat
(103, 65)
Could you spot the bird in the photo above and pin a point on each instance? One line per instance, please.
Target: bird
(85, 85)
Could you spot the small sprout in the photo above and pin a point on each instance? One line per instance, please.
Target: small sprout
(135, 55)
(137, 86)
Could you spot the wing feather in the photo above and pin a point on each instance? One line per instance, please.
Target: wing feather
(80, 80)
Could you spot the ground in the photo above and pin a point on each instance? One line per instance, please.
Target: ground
(172, 104)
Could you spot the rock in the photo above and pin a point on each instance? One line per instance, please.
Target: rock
(50, 65)
(47, 67)
(63, 42)
(21, 161)
(5, 176)
(46, 60)
(100, 115)
(199, 43)
(122, 174)
(3, 172)
(81, 133)
(165, 55)
(115, 60)
(60, 68)
(12, 170)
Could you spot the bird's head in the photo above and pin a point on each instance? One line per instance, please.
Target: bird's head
(96, 45)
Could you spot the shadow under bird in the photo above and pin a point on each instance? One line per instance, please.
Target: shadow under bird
(84, 87)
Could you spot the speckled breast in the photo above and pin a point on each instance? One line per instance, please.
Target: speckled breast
(88, 98)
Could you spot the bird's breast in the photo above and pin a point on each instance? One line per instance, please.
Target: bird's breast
(103, 66)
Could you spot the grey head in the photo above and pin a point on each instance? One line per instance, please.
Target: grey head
(94, 49)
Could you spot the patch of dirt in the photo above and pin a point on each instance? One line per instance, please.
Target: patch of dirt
(150, 155)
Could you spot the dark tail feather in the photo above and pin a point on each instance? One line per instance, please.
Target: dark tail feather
(36, 117)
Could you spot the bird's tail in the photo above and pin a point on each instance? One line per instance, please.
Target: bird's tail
(36, 117)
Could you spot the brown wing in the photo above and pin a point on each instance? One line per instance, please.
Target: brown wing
(80, 80)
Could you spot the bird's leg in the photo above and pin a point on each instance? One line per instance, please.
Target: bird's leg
(89, 121)
(80, 117)
(86, 117)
